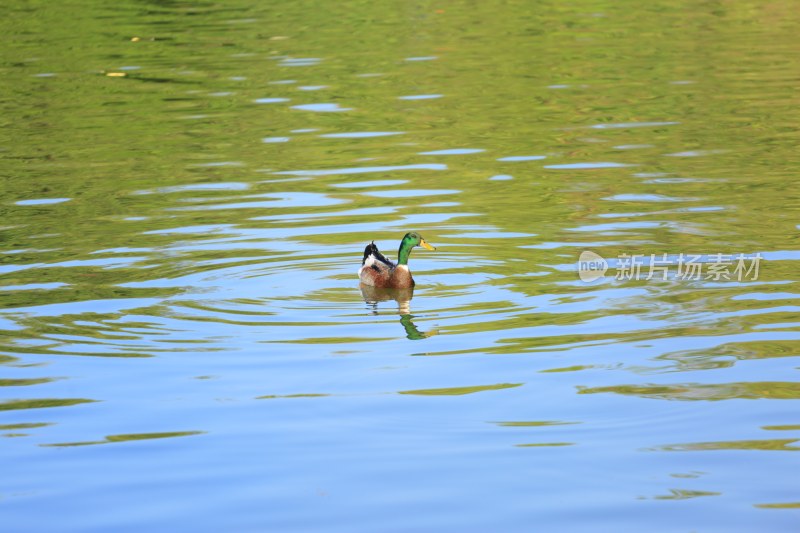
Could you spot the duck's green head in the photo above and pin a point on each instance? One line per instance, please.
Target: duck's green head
(410, 241)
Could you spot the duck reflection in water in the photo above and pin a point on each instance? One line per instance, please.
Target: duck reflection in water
(373, 295)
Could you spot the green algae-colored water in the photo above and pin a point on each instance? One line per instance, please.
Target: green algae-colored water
(187, 190)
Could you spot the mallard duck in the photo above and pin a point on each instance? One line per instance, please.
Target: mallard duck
(378, 271)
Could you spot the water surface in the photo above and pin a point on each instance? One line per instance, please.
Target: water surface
(187, 192)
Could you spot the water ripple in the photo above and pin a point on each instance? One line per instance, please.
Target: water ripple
(363, 170)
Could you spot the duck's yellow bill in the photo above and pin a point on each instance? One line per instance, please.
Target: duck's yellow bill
(426, 245)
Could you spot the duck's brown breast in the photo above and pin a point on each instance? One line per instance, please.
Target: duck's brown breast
(401, 278)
